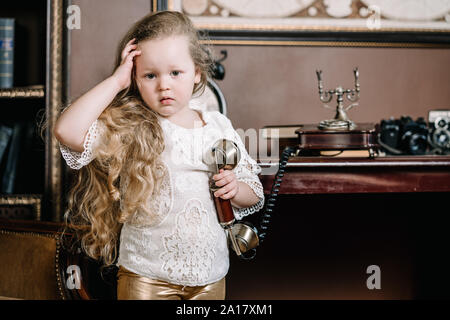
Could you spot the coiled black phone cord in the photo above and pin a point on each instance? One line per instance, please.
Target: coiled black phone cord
(271, 200)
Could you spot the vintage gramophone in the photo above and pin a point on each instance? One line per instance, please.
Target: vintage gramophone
(340, 133)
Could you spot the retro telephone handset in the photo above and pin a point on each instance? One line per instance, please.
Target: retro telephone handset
(243, 235)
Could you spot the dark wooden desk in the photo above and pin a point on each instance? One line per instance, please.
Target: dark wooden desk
(327, 175)
(337, 216)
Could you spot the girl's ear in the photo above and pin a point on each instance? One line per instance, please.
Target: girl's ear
(198, 75)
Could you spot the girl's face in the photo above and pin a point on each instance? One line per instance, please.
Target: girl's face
(166, 74)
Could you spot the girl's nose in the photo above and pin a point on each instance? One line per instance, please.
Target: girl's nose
(164, 83)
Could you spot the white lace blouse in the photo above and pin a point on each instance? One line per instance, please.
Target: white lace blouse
(183, 242)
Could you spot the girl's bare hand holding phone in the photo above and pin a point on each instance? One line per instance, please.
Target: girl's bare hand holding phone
(227, 181)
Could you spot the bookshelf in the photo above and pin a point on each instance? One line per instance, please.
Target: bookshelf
(30, 167)
(37, 91)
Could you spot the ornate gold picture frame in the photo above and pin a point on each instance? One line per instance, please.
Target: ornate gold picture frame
(373, 23)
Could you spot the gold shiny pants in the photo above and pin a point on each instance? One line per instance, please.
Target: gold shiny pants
(131, 286)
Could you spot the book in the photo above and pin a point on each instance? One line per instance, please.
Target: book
(6, 52)
(5, 135)
(281, 131)
(277, 135)
(9, 176)
(27, 173)
(345, 153)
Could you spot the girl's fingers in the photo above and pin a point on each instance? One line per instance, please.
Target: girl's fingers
(223, 179)
(130, 56)
(231, 187)
(128, 50)
(223, 190)
(130, 43)
(134, 53)
(128, 47)
(222, 174)
(228, 195)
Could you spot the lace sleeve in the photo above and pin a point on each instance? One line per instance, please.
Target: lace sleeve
(247, 171)
(77, 160)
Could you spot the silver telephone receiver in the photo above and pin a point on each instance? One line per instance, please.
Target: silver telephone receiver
(243, 236)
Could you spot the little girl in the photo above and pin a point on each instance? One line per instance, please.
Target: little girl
(141, 147)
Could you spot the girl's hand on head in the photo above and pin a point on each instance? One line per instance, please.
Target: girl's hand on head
(123, 73)
(227, 181)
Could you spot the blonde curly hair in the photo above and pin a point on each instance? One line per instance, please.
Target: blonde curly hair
(117, 184)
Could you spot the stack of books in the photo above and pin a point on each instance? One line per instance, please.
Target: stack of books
(287, 136)
(15, 145)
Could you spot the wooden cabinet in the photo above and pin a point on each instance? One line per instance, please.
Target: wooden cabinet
(33, 175)
(395, 174)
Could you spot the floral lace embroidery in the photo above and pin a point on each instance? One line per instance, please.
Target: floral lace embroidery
(190, 249)
(137, 246)
(76, 160)
(191, 180)
(240, 213)
(247, 171)
(158, 206)
(187, 148)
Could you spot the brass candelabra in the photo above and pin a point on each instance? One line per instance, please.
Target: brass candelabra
(341, 120)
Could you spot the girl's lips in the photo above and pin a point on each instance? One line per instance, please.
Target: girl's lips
(166, 100)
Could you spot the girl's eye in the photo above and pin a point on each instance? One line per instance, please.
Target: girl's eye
(176, 73)
(150, 76)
